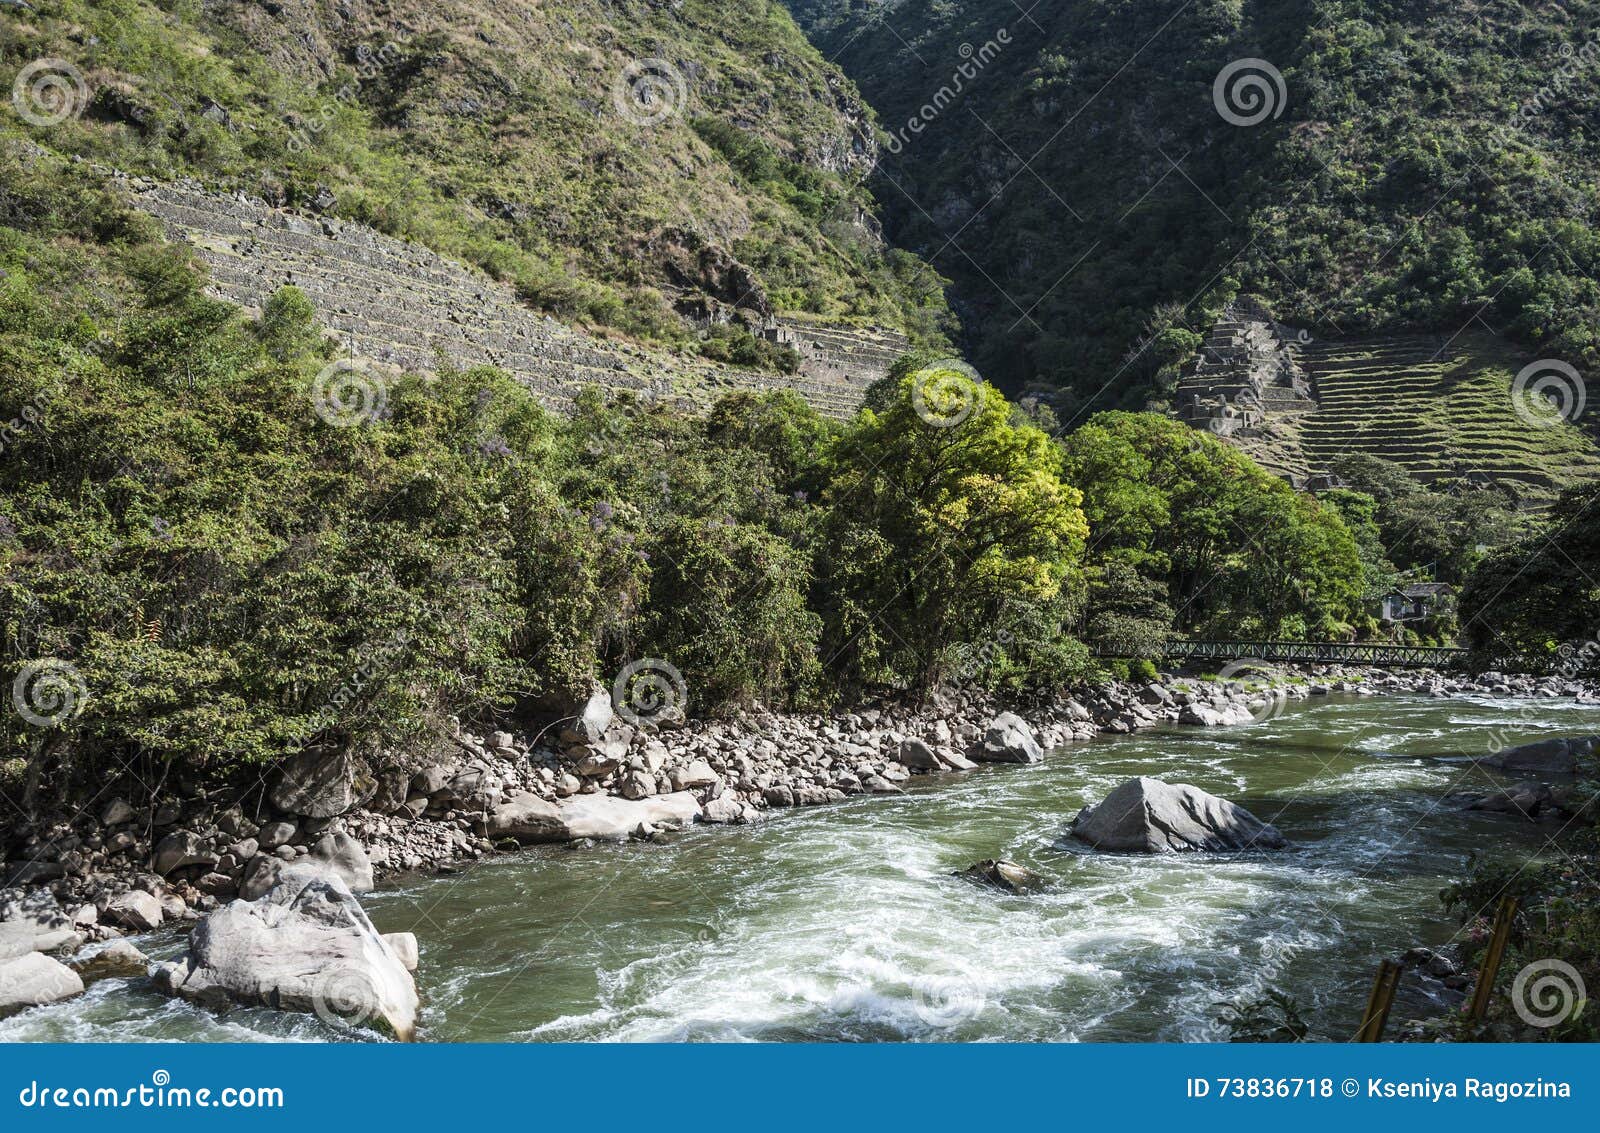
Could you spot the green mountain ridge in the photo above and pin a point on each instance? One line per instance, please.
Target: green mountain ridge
(1415, 166)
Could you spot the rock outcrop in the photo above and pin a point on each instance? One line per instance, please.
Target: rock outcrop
(1148, 816)
(1008, 739)
(307, 945)
(1543, 757)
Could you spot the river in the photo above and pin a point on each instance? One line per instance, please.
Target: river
(844, 922)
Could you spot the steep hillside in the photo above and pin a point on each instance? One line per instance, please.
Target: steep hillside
(633, 165)
(1095, 178)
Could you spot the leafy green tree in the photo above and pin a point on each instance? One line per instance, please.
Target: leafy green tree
(1239, 552)
(288, 326)
(933, 527)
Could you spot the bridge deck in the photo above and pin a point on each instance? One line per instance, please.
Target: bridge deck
(1320, 653)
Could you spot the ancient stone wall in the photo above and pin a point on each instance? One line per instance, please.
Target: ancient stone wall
(854, 356)
(396, 302)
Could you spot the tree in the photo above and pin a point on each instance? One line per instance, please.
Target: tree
(1238, 552)
(936, 521)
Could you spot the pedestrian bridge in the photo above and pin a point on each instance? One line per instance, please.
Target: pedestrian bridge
(1371, 654)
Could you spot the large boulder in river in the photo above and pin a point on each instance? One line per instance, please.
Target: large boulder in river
(307, 945)
(1008, 739)
(32, 979)
(117, 960)
(1148, 816)
(319, 784)
(1543, 757)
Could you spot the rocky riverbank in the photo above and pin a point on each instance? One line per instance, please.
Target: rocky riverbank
(122, 866)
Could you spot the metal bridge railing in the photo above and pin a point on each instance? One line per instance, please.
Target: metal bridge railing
(1376, 655)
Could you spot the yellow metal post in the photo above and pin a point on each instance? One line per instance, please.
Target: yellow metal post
(1490, 968)
(1379, 1002)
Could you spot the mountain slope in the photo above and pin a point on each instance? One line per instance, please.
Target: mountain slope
(630, 165)
(1421, 165)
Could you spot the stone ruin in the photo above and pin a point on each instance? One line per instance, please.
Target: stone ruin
(395, 303)
(1246, 372)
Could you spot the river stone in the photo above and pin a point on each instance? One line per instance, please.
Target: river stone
(1148, 816)
(609, 818)
(592, 720)
(136, 910)
(527, 818)
(118, 960)
(345, 857)
(317, 784)
(34, 979)
(1001, 874)
(405, 947)
(116, 812)
(307, 945)
(260, 875)
(1008, 739)
(180, 849)
(275, 834)
(697, 774)
(393, 784)
(335, 853)
(1543, 757)
(33, 922)
(638, 785)
(918, 756)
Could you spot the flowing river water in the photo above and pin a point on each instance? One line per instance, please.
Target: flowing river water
(844, 922)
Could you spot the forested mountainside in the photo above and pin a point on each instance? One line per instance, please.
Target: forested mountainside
(1098, 176)
(640, 166)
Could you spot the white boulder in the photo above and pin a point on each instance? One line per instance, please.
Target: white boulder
(307, 945)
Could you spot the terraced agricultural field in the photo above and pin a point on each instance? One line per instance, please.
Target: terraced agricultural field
(1442, 412)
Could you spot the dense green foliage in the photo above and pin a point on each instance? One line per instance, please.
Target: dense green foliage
(1430, 167)
(1181, 518)
(1538, 598)
(234, 566)
(505, 137)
